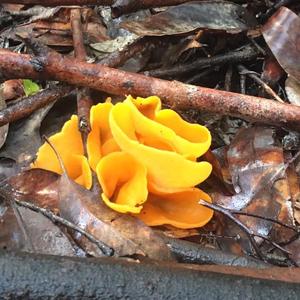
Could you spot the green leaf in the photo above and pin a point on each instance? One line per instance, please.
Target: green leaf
(30, 87)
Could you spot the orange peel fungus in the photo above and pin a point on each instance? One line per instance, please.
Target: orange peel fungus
(145, 159)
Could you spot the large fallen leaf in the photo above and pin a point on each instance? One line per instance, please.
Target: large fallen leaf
(257, 168)
(125, 234)
(281, 33)
(215, 15)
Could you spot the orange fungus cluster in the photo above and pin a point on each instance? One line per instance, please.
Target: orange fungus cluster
(145, 159)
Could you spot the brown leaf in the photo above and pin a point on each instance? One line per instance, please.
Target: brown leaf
(125, 234)
(257, 168)
(12, 89)
(214, 15)
(45, 237)
(38, 186)
(281, 33)
(23, 138)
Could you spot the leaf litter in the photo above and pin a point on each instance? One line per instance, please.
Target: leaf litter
(256, 170)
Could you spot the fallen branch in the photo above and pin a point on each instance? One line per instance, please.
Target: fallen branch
(59, 2)
(53, 66)
(28, 105)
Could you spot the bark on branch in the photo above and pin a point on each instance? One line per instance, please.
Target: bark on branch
(53, 66)
(60, 2)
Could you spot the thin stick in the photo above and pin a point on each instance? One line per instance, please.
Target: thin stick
(84, 101)
(232, 57)
(250, 234)
(244, 71)
(106, 250)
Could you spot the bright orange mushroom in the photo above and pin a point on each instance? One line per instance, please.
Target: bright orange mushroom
(155, 148)
(124, 182)
(179, 209)
(145, 158)
(68, 144)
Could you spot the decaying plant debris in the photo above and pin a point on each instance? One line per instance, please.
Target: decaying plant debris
(231, 66)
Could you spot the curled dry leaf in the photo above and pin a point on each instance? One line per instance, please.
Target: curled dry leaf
(281, 33)
(257, 168)
(215, 15)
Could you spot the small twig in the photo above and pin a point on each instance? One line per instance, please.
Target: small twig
(243, 84)
(245, 54)
(106, 250)
(249, 233)
(84, 101)
(244, 71)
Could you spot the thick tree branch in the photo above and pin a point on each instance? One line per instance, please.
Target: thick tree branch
(53, 66)
(60, 2)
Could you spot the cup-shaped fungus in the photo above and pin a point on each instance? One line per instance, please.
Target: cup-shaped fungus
(145, 158)
(68, 144)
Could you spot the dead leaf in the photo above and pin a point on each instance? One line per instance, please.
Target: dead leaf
(257, 168)
(214, 15)
(24, 138)
(125, 234)
(292, 88)
(38, 186)
(281, 33)
(46, 237)
(12, 89)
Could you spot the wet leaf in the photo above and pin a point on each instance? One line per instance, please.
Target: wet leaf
(46, 237)
(292, 88)
(24, 137)
(214, 15)
(125, 234)
(281, 33)
(38, 186)
(257, 167)
(30, 87)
